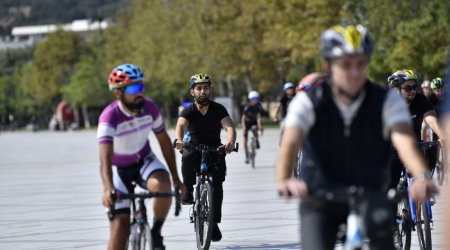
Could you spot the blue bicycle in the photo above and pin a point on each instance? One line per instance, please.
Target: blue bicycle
(412, 216)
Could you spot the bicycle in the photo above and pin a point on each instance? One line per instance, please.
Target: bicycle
(413, 215)
(140, 237)
(202, 211)
(351, 233)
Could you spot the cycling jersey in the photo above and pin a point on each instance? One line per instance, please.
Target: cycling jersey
(346, 145)
(129, 133)
(284, 102)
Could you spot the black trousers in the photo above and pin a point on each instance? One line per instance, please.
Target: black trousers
(320, 221)
(190, 164)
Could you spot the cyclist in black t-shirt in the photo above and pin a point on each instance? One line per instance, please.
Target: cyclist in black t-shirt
(204, 119)
(251, 118)
(288, 95)
(406, 82)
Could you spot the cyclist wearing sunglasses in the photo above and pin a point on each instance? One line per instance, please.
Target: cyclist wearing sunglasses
(126, 155)
(405, 81)
(345, 127)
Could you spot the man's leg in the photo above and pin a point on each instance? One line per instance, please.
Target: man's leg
(159, 181)
(379, 223)
(189, 163)
(246, 146)
(319, 224)
(119, 230)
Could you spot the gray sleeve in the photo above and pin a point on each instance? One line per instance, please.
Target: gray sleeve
(300, 113)
(395, 111)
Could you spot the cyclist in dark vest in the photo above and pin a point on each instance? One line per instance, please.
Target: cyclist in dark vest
(345, 127)
(204, 119)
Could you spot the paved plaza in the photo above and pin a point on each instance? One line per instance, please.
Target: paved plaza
(50, 198)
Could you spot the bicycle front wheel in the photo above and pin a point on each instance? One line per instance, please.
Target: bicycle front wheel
(204, 216)
(423, 226)
(402, 237)
(140, 238)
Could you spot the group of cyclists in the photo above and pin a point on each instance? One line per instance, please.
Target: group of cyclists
(351, 132)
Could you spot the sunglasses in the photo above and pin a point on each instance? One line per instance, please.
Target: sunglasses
(409, 88)
(134, 89)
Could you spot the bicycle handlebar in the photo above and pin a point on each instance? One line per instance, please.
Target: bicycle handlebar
(203, 147)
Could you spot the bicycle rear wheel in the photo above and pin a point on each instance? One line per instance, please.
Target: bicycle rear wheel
(140, 238)
(204, 216)
(423, 226)
(402, 237)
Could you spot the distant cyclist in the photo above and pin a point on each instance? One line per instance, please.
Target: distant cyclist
(126, 155)
(436, 97)
(251, 120)
(288, 94)
(405, 81)
(346, 126)
(204, 119)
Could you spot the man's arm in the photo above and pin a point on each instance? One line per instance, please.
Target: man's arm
(403, 138)
(228, 125)
(181, 127)
(290, 144)
(169, 155)
(431, 119)
(106, 154)
(243, 121)
(259, 121)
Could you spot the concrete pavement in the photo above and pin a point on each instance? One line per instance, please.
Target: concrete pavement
(50, 198)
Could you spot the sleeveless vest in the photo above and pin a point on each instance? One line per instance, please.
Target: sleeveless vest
(338, 156)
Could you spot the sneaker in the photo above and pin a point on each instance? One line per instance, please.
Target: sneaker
(257, 144)
(188, 198)
(216, 234)
(157, 241)
(247, 161)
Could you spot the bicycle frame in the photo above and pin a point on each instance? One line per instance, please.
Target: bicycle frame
(412, 203)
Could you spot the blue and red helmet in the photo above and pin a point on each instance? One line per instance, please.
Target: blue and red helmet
(124, 75)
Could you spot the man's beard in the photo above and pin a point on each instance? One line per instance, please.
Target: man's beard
(135, 106)
(203, 101)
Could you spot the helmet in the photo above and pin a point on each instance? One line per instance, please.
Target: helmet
(425, 84)
(199, 78)
(342, 40)
(310, 81)
(401, 76)
(288, 85)
(253, 95)
(123, 75)
(436, 83)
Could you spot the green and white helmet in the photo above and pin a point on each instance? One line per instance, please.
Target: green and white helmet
(436, 83)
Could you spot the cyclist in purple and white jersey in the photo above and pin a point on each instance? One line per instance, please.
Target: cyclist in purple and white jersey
(126, 155)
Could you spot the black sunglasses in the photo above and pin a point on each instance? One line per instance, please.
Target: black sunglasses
(409, 88)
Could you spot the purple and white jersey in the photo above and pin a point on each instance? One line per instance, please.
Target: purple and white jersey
(129, 133)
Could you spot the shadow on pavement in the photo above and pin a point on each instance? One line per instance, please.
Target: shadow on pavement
(266, 246)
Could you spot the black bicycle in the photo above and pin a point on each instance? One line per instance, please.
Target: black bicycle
(140, 237)
(202, 211)
(351, 234)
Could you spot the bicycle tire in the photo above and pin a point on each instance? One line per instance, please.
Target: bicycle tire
(403, 235)
(140, 238)
(204, 216)
(423, 227)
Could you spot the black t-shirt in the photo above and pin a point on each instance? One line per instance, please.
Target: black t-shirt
(251, 112)
(418, 107)
(205, 129)
(284, 105)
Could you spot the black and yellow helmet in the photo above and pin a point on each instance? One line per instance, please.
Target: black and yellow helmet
(199, 78)
(436, 83)
(401, 76)
(342, 40)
